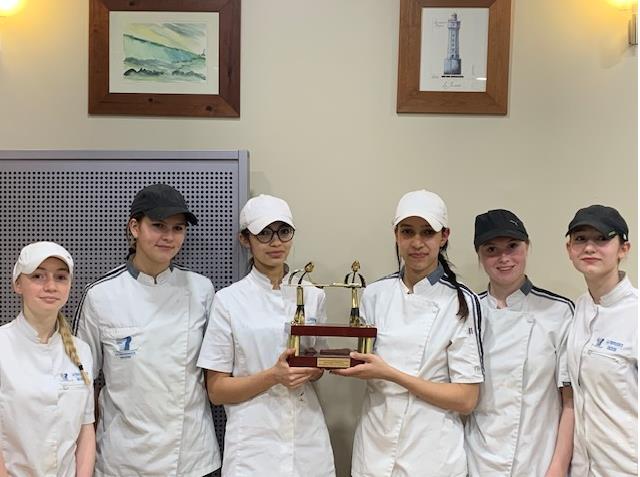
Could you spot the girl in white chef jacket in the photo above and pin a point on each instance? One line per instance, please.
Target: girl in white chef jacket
(602, 348)
(275, 425)
(144, 322)
(46, 392)
(426, 362)
(523, 423)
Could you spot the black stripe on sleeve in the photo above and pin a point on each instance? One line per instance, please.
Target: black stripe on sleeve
(108, 276)
(541, 292)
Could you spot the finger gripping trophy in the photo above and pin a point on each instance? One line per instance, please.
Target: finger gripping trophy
(329, 358)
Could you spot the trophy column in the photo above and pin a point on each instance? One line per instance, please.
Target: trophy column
(298, 319)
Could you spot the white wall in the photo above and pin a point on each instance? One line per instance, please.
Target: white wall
(318, 116)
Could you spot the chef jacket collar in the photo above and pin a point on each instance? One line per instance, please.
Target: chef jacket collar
(426, 282)
(619, 291)
(31, 334)
(148, 279)
(526, 286)
(264, 282)
(516, 298)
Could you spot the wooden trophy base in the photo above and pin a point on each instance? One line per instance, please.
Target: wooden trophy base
(330, 358)
(326, 359)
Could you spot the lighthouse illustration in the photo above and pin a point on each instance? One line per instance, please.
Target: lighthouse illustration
(453, 63)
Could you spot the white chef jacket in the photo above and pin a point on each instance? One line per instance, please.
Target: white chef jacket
(603, 363)
(513, 430)
(145, 335)
(43, 402)
(419, 333)
(280, 432)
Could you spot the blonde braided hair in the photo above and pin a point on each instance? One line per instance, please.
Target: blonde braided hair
(70, 347)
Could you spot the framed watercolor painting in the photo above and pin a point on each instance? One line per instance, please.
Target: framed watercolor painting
(165, 57)
(454, 56)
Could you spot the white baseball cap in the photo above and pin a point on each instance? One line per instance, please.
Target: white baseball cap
(424, 204)
(34, 254)
(263, 210)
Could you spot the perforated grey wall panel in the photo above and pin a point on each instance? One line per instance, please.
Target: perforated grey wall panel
(81, 200)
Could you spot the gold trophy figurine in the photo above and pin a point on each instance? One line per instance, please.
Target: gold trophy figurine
(329, 358)
(298, 318)
(365, 345)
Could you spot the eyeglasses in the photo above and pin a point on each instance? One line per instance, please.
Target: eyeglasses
(284, 233)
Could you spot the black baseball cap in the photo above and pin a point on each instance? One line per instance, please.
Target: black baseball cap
(498, 223)
(605, 220)
(159, 201)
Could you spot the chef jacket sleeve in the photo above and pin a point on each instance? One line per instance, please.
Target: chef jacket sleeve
(217, 351)
(366, 307)
(562, 367)
(464, 354)
(86, 326)
(208, 305)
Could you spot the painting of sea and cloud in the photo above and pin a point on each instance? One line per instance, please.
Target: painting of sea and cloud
(163, 52)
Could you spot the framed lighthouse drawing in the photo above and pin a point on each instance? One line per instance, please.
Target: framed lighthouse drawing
(454, 56)
(453, 49)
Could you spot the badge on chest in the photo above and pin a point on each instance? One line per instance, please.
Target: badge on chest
(609, 344)
(126, 347)
(70, 380)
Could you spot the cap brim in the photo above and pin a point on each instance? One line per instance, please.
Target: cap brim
(34, 266)
(258, 226)
(161, 213)
(492, 234)
(435, 224)
(599, 226)
(36, 262)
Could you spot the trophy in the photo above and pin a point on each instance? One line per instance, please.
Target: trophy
(329, 358)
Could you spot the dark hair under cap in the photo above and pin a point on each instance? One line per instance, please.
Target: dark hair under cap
(498, 223)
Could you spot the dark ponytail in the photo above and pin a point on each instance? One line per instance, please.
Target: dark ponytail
(131, 241)
(463, 308)
(245, 233)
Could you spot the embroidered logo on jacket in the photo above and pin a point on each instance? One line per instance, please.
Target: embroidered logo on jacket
(125, 350)
(609, 344)
(70, 380)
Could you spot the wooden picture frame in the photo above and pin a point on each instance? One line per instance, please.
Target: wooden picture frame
(214, 91)
(412, 99)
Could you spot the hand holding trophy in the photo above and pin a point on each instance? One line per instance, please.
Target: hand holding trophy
(329, 358)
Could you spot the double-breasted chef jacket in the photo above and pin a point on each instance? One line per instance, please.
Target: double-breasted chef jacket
(419, 333)
(280, 432)
(513, 430)
(602, 353)
(43, 402)
(145, 334)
